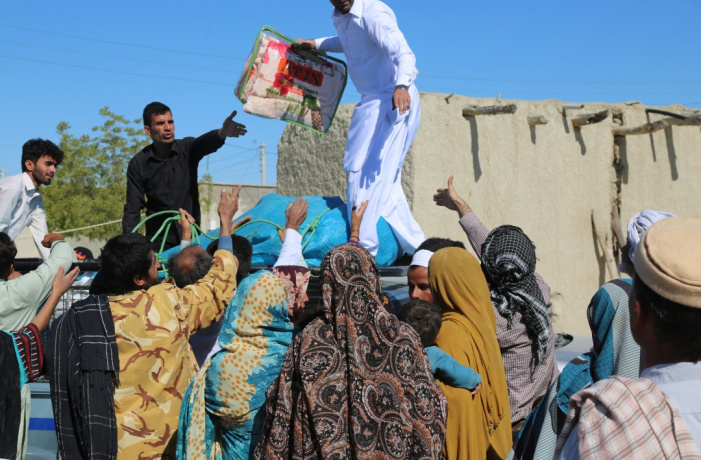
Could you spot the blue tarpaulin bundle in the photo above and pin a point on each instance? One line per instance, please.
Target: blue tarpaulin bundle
(326, 226)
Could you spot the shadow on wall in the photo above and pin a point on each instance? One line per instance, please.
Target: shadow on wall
(477, 168)
(600, 256)
(622, 144)
(671, 152)
(580, 140)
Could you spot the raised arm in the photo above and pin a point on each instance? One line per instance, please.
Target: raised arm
(61, 284)
(474, 228)
(185, 222)
(205, 301)
(356, 220)
(33, 288)
(211, 141)
(230, 128)
(291, 250)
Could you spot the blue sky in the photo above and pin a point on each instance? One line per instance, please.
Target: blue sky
(63, 61)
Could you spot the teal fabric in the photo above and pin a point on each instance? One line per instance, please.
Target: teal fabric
(451, 372)
(23, 379)
(615, 353)
(325, 227)
(600, 363)
(230, 389)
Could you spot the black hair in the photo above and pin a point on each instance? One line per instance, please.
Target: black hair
(185, 274)
(673, 323)
(154, 108)
(434, 244)
(424, 317)
(8, 251)
(34, 149)
(124, 257)
(243, 250)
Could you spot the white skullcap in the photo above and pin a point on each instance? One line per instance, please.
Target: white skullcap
(638, 225)
(421, 258)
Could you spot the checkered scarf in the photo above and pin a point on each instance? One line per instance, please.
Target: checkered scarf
(508, 263)
(623, 418)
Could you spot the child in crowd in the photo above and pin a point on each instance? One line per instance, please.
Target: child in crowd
(425, 318)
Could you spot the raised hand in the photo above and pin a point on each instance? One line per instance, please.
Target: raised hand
(357, 218)
(449, 198)
(185, 221)
(228, 205)
(230, 128)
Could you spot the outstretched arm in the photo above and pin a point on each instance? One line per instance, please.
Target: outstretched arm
(474, 228)
(211, 141)
(328, 44)
(204, 302)
(449, 198)
(61, 284)
(230, 128)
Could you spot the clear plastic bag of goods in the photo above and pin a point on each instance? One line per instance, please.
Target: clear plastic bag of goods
(294, 85)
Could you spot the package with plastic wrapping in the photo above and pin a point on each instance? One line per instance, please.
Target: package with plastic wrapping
(326, 226)
(294, 85)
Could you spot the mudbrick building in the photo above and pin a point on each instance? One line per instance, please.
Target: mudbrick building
(563, 172)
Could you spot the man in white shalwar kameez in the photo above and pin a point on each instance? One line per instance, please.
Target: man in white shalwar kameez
(383, 69)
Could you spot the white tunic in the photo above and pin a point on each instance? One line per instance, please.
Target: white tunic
(379, 138)
(21, 205)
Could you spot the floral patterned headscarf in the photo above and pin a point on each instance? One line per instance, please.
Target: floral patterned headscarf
(297, 278)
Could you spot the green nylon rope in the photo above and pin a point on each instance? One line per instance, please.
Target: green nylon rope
(197, 231)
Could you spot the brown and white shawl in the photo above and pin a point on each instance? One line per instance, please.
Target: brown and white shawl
(355, 383)
(622, 418)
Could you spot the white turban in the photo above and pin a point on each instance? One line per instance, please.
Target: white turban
(421, 258)
(638, 225)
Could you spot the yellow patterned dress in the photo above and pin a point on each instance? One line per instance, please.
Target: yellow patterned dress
(220, 415)
(156, 363)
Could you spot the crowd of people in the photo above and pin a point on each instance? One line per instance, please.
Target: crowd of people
(217, 362)
(464, 370)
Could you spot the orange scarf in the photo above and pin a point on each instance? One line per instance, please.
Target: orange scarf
(478, 427)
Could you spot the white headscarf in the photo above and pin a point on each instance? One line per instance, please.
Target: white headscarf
(638, 225)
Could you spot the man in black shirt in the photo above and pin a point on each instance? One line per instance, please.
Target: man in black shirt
(165, 172)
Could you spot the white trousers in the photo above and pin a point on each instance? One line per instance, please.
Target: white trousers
(378, 141)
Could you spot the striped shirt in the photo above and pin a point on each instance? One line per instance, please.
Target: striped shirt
(526, 381)
(625, 419)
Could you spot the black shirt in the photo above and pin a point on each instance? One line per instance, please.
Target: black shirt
(167, 184)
